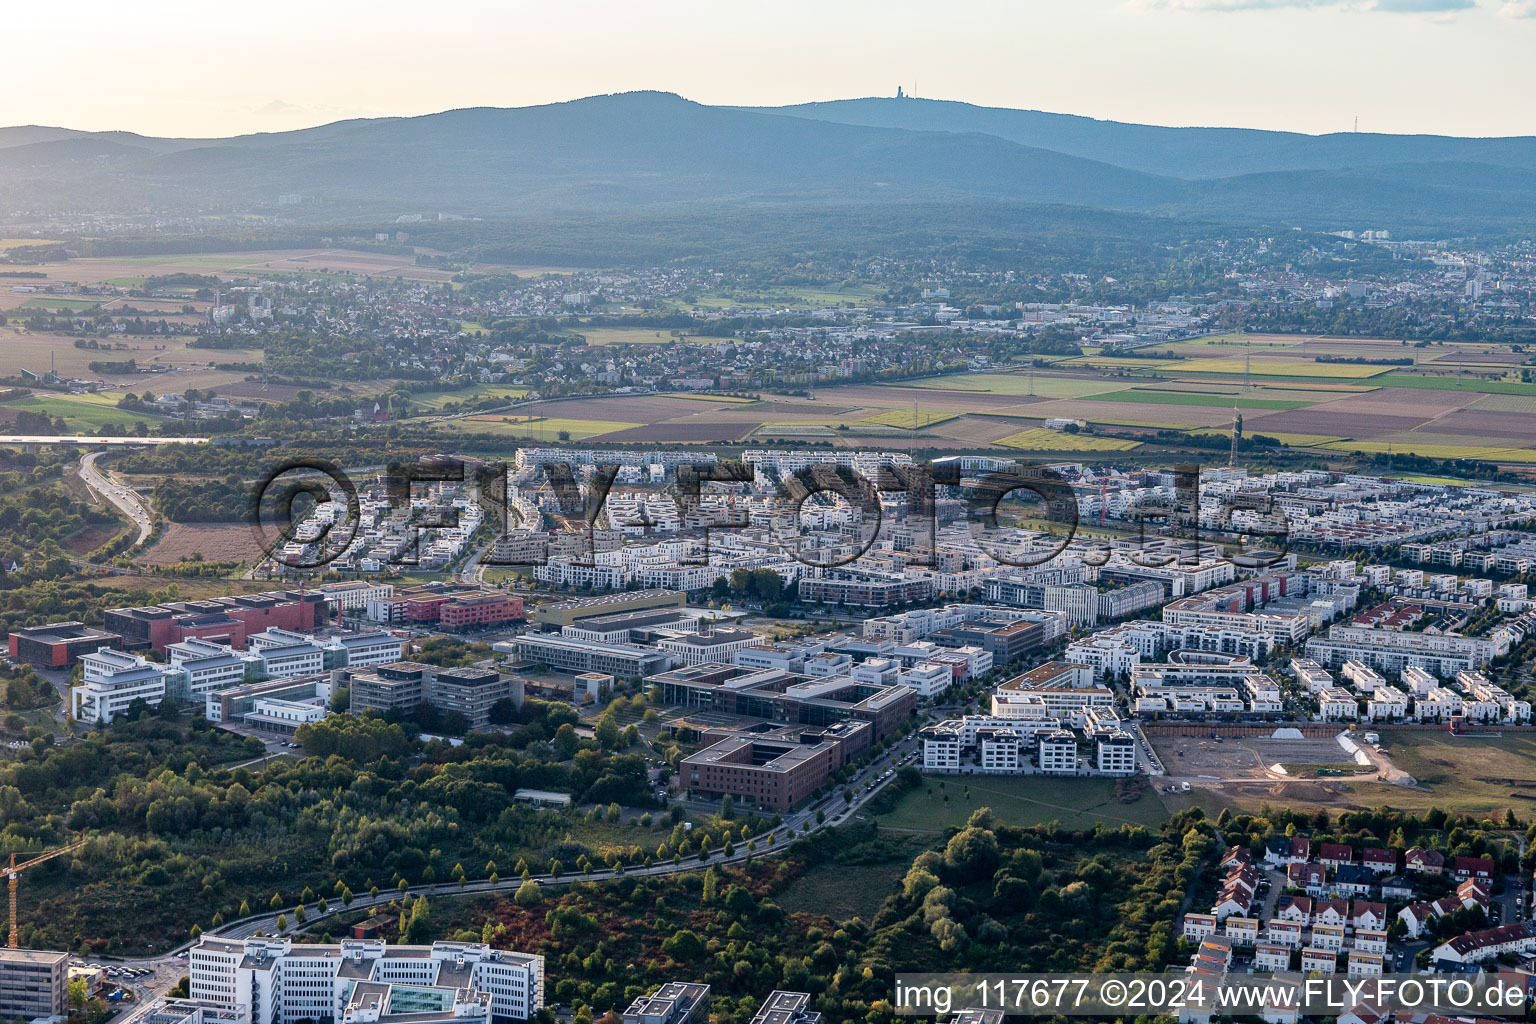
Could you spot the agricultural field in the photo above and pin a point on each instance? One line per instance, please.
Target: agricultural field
(184, 366)
(1041, 439)
(604, 336)
(1270, 367)
(432, 401)
(1476, 385)
(727, 399)
(1151, 396)
(1435, 451)
(1014, 384)
(538, 428)
(908, 419)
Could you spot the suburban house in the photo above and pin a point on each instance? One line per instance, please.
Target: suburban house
(1283, 852)
(1425, 862)
(1382, 862)
(1480, 868)
(1309, 878)
(1336, 855)
(1294, 909)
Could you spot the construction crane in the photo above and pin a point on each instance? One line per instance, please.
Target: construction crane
(15, 869)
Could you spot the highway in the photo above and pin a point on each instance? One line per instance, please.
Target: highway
(126, 500)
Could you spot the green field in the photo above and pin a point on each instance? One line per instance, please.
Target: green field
(60, 302)
(1486, 387)
(1465, 773)
(1041, 439)
(83, 413)
(1021, 800)
(1150, 397)
(1018, 384)
(431, 401)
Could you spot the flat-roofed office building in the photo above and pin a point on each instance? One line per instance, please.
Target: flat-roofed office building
(33, 983)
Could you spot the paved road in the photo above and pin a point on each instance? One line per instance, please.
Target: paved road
(124, 497)
(834, 809)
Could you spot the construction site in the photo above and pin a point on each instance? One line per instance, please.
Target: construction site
(1278, 755)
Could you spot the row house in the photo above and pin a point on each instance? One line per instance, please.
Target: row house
(1363, 964)
(1295, 910)
(1319, 961)
(1243, 931)
(1271, 957)
(1199, 926)
(1284, 933)
(1473, 947)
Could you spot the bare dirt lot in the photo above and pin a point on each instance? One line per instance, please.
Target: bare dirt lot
(1246, 758)
(216, 542)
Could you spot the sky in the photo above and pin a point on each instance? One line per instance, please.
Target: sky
(178, 68)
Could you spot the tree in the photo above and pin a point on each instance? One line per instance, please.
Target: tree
(419, 930)
(684, 946)
(528, 894)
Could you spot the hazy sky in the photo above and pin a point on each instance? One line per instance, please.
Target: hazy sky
(174, 67)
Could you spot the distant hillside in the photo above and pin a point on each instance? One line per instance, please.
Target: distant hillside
(644, 154)
(1176, 152)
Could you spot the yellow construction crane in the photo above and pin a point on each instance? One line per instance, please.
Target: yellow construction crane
(16, 869)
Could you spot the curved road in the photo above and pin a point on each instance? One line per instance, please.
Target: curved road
(123, 497)
(836, 812)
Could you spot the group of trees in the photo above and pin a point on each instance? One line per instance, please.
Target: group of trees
(990, 897)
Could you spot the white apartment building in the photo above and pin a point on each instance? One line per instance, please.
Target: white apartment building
(1439, 704)
(1056, 752)
(1417, 681)
(111, 681)
(1106, 655)
(1387, 703)
(927, 678)
(275, 981)
(1365, 678)
(1336, 704)
(1391, 650)
(1114, 752)
(1311, 675)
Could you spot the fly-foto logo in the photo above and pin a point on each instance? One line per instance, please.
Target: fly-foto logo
(824, 515)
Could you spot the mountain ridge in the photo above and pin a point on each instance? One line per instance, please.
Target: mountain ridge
(624, 153)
